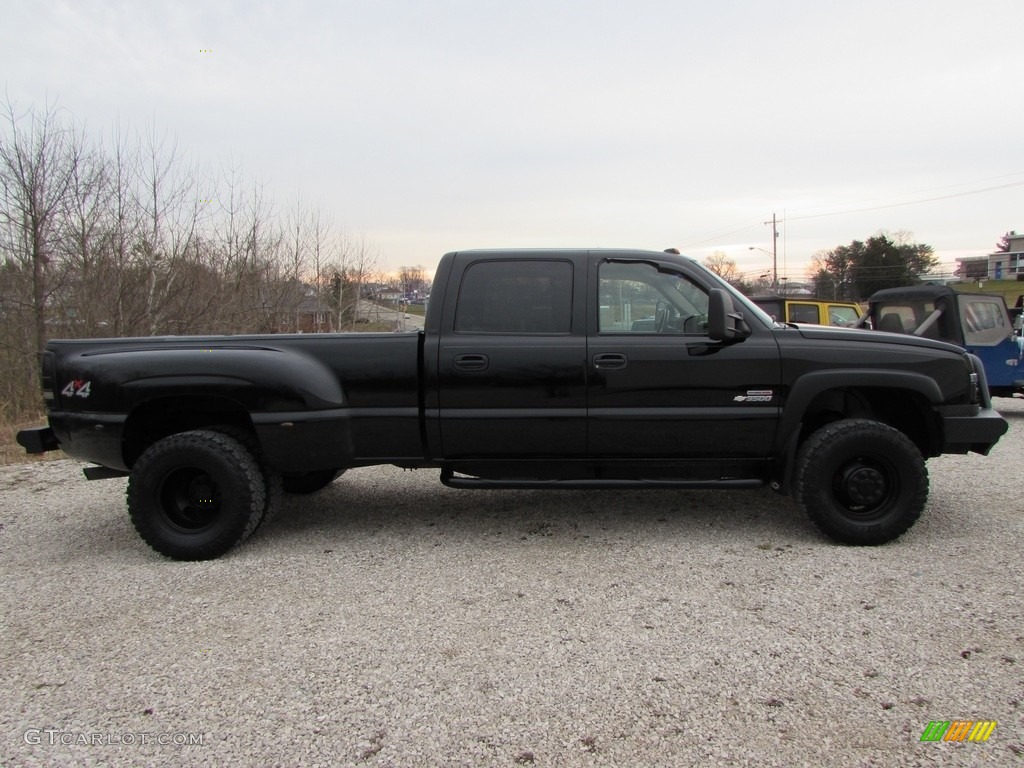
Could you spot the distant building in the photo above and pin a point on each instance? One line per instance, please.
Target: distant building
(972, 268)
(312, 315)
(1001, 265)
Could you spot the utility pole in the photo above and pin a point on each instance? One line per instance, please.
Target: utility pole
(775, 253)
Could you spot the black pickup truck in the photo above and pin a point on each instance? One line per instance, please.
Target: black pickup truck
(536, 369)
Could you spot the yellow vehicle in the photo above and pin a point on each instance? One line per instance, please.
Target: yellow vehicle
(792, 309)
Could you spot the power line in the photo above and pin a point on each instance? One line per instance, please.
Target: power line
(786, 217)
(719, 236)
(918, 192)
(907, 202)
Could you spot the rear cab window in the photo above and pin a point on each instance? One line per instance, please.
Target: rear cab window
(516, 297)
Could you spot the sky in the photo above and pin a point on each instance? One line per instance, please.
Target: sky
(427, 127)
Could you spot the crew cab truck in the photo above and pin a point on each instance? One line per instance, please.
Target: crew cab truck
(583, 369)
(980, 323)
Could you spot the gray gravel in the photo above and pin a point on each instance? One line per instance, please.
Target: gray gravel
(389, 621)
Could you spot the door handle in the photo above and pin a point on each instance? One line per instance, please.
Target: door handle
(610, 361)
(471, 362)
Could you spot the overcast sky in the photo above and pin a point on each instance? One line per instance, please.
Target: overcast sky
(449, 124)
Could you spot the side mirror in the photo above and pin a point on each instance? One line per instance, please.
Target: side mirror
(724, 323)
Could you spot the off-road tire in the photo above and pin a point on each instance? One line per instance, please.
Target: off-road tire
(195, 495)
(860, 481)
(310, 482)
(271, 478)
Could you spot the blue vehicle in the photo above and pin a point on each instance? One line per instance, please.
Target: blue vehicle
(979, 323)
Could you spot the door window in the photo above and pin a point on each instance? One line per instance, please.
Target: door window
(515, 297)
(841, 315)
(804, 313)
(638, 298)
(985, 321)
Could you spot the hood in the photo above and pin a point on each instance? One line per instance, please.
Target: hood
(850, 335)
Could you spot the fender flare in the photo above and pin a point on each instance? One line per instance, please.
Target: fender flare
(295, 404)
(260, 379)
(811, 385)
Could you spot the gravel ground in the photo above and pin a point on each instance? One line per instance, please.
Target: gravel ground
(389, 621)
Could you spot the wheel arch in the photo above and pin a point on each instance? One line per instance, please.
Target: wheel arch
(900, 400)
(160, 417)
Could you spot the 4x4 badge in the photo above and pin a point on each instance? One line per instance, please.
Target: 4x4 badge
(77, 388)
(755, 396)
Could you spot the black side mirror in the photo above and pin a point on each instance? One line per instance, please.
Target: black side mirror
(724, 323)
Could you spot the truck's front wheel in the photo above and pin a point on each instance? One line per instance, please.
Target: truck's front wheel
(195, 495)
(861, 481)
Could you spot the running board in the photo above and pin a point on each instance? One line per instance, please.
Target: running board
(449, 478)
(103, 473)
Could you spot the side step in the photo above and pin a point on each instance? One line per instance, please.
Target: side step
(450, 479)
(103, 473)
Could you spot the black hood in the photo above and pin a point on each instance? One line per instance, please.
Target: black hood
(832, 333)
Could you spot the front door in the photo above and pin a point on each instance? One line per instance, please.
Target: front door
(658, 387)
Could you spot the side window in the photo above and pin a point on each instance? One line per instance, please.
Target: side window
(984, 321)
(772, 307)
(803, 313)
(517, 297)
(842, 316)
(902, 318)
(635, 297)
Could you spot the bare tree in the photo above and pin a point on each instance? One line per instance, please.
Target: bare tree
(38, 157)
(722, 266)
(412, 279)
(172, 212)
(37, 164)
(122, 231)
(85, 264)
(125, 237)
(362, 260)
(296, 255)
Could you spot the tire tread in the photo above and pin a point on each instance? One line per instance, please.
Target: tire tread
(213, 444)
(812, 495)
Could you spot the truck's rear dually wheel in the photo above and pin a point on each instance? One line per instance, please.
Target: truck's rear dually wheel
(861, 481)
(195, 495)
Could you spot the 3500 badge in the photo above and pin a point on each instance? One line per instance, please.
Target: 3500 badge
(77, 388)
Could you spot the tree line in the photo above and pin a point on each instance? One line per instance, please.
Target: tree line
(851, 272)
(857, 270)
(122, 236)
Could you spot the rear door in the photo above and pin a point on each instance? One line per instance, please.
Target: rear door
(658, 387)
(512, 359)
